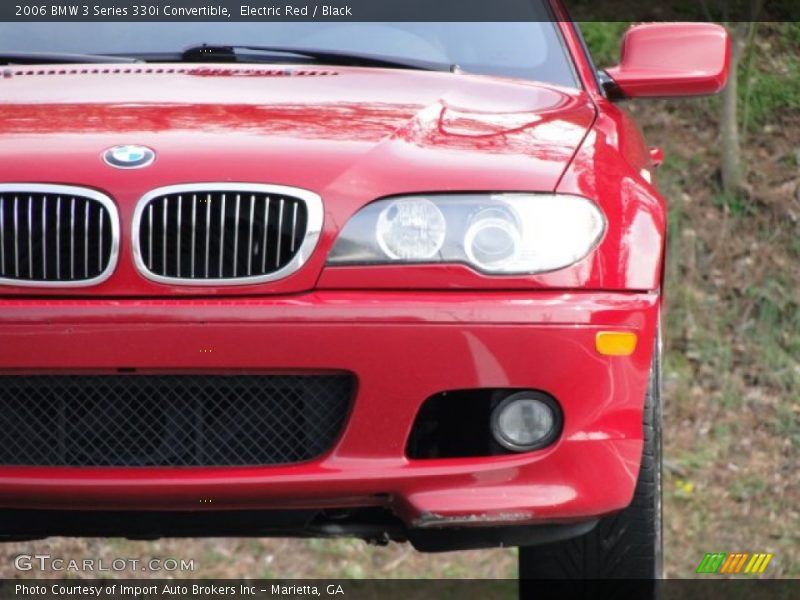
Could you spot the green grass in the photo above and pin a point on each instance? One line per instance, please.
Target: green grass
(698, 458)
(786, 424)
(769, 77)
(748, 487)
(776, 330)
(603, 40)
(737, 205)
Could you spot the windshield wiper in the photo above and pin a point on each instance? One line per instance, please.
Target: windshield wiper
(207, 53)
(234, 53)
(39, 58)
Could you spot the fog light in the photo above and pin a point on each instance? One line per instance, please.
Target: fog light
(526, 421)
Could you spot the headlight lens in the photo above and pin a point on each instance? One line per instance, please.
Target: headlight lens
(492, 239)
(500, 234)
(412, 229)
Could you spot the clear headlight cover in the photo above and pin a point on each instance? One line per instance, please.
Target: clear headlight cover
(502, 234)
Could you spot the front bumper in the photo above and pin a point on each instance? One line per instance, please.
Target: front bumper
(402, 347)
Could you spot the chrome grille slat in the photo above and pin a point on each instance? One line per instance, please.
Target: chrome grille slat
(30, 237)
(280, 233)
(221, 235)
(16, 236)
(58, 239)
(245, 237)
(150, 236)
(250, 243)
(236, 236)
(100, 240)
(166, 228)
(208, 229)
(86, 240)
(72, 238)
(294, 225)
(44, 238)
(178, 232)
(194, 227)
(267, 202)
(40, 222)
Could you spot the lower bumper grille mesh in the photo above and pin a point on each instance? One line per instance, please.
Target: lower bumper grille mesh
(169, 420)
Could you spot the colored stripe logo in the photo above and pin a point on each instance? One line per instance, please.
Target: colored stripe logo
(721, 563)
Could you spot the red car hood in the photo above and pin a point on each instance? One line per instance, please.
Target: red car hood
(349, 134)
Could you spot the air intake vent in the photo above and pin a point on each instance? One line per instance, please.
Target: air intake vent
(56, 236)
(222, 234)
(170, 420)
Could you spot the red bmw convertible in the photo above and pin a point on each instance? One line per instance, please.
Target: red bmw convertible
(397, 281)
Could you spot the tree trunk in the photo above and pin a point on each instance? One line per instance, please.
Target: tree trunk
(729, 124)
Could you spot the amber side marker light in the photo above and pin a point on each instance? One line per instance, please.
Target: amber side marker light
(615, 343)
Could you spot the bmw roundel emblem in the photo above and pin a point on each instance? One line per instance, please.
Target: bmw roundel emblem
(129, 157)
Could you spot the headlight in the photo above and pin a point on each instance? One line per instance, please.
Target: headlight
(412, 229)
(493, 238)
(500, 234)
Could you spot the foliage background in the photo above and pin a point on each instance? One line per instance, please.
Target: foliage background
(732, 369)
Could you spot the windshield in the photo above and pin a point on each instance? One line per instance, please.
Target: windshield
(525, 50)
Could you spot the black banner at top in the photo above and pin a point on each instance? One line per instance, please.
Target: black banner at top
(396, 10)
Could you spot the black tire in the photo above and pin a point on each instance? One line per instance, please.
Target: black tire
(627, 544)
